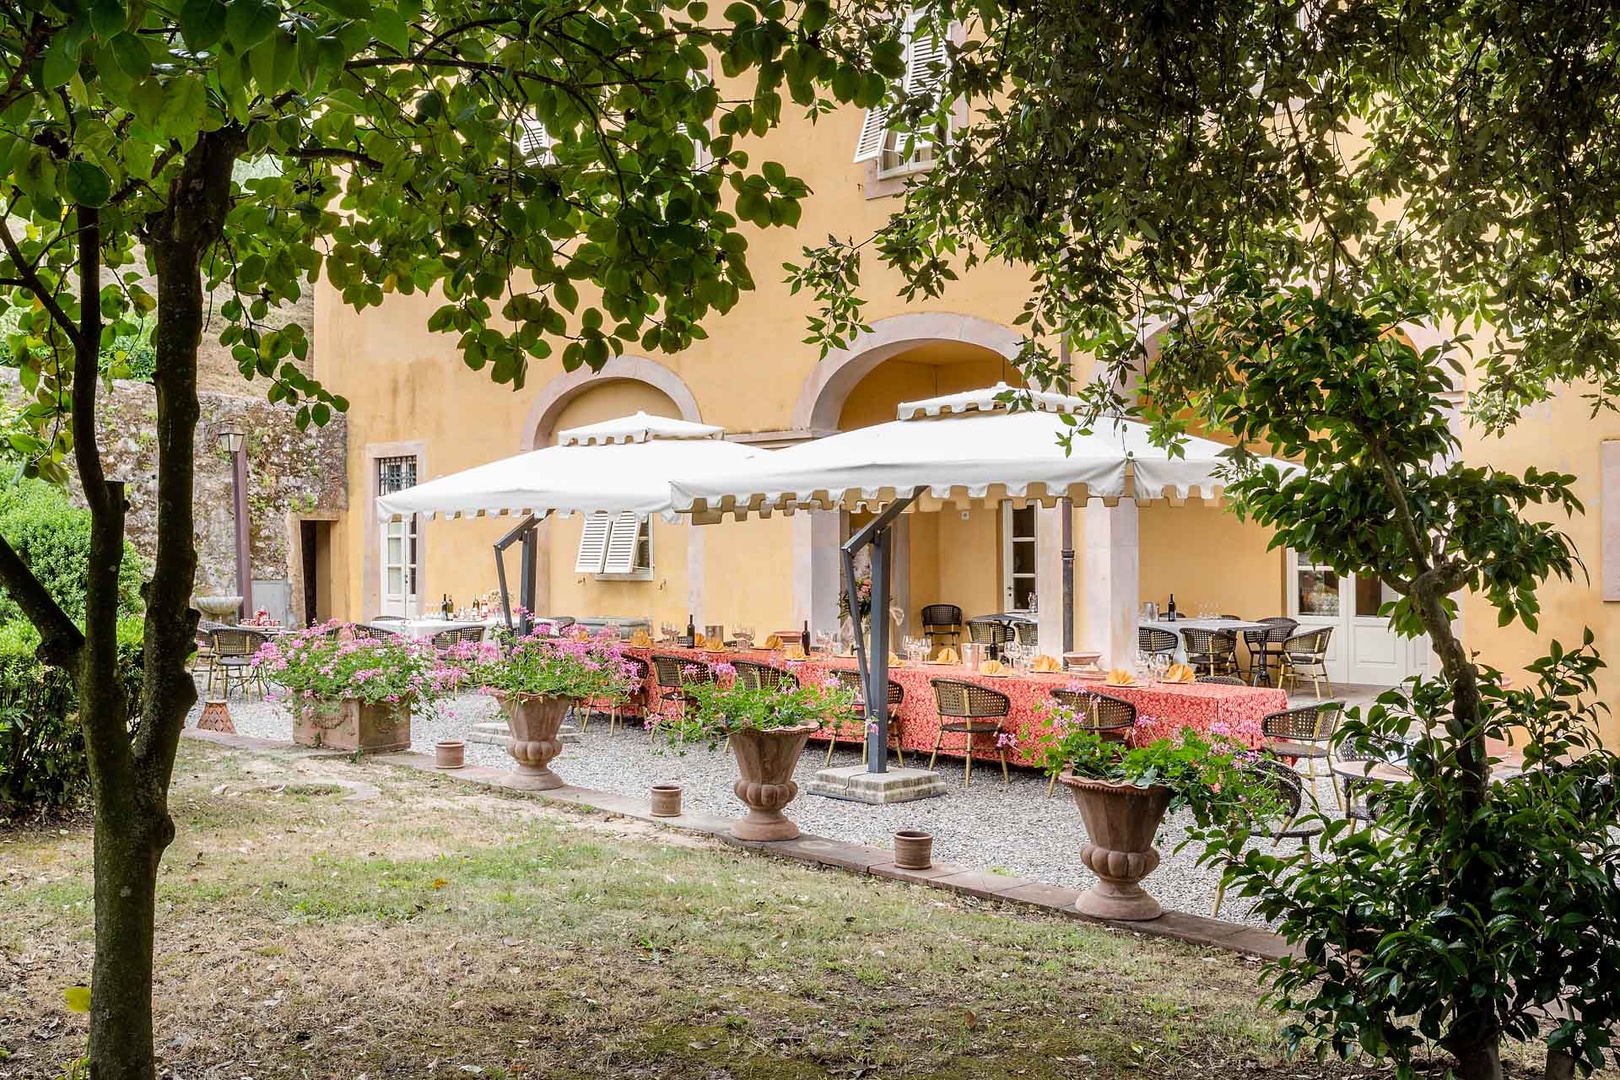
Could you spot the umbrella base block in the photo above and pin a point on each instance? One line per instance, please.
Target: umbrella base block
(854, 784)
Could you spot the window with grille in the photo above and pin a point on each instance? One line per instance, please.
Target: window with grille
(399, 540)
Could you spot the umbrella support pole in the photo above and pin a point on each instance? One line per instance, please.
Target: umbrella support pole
(873, 656)
(528, 566)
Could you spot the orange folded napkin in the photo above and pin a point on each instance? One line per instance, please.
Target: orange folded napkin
(947, 655)
(992, 667)
(699, 641)
(641, 639)
(1180, 673)
(1120, 677)
(1047, 664)
(773, 642)
(794, 652)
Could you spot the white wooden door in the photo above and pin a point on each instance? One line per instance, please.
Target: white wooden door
(399, 592)
(1363, 649)
(1018, 557)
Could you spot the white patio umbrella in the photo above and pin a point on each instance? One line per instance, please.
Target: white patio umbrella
(618, 466)
(963, 449)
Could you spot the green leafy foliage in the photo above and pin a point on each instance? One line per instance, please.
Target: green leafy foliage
(42, 758)
(1393, 956)
(53, 537)
(724, 705)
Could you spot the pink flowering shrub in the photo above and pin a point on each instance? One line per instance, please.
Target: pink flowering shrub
(316, 665)
(570, 666)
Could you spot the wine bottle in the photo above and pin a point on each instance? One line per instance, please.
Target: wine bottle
(691, 631)
(804, 638)
(1171, 612)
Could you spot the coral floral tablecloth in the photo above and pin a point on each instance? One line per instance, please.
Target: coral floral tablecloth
(1162, 709)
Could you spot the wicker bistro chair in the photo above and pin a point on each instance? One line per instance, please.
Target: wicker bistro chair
(1304, 733)
(1358, 796)
(234, 647)
(1215, 651)
(1222, 680)
(1028, 631)
(202, 661)
(992, 632)
(756, 676)
(671, 676)
(376, 633)
(942, 623)
(1265, 644)
(969, 709)
(1289, 789)
(446, 639)
(1110, 717)
(1157, 642)
(1305, 654)
(619, 709)
(851, 680)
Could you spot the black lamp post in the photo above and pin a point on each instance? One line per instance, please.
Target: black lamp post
(234, 443)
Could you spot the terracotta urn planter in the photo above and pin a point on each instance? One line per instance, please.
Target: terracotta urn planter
(766, 760)
(1121, 821)
(449, 754)
(351, 724)
(666, 800)
(534, 721)
(913, 849)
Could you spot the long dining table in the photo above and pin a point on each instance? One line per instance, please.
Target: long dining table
(1162, 708)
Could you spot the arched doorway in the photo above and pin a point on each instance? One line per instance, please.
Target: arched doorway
(945, 557)
(625, 385)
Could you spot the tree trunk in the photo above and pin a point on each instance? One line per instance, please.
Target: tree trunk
(1479, 1056)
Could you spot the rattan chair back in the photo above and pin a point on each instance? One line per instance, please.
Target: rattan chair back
(756, 676)
(1151, 639)
(941, 617)
(969, 701)
(1028, 632)
(1304, 723)
(671, 672)
(1097, 711)
(851, 680)
(376, 633)
(444, 639)
(1308, 646)
(235, 642)
(1222, 680)
(1214, 644)
(989, 632)
(1278, 629)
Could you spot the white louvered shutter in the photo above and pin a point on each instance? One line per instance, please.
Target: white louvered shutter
(593, 544)
(873, 128)
(621, 548)
(925, 61)
(534, 145)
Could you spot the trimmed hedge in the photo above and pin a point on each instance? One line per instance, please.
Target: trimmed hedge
(53, 537)
(42, 759)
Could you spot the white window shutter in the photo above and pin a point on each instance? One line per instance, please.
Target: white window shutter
(534, 145)
(925, 62)
(621, 548)
(873, 129)
(593, 544)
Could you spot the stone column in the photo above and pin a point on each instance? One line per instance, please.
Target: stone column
(1112, 575)
(1049, 578)
(816, 575)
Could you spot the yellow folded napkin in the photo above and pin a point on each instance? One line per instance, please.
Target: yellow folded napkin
(947, 655)
(992, 667)
(1120, 677)
(641, 639)
(1180, 673)
(894, 660)
(773, 642)
(794, 652)
(698, 641)
(1047, 664)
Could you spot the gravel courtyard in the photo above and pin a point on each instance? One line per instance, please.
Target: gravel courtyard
(1013, 827)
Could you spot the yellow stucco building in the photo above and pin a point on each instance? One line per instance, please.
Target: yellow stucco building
(417, 413)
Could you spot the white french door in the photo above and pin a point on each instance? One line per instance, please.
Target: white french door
(1018, 557)
(1363, 648)
(398, 541)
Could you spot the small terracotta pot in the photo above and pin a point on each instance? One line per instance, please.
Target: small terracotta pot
(913, 849)
(449, 754)
(766, 760)
(216, 716)
(534, 721)
(666, 800)
(1121, 821)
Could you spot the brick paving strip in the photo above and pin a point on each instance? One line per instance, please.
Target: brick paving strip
(820, 851)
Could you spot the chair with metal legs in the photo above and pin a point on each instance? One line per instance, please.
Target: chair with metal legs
(1305, 654)
(1304, 733)
(1289, 790)
(851, 681)
(969, 709)
(1111, 718)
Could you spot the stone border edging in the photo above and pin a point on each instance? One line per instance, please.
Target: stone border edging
(821, 851)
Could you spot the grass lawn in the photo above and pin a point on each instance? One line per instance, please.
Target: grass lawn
(436, 930)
